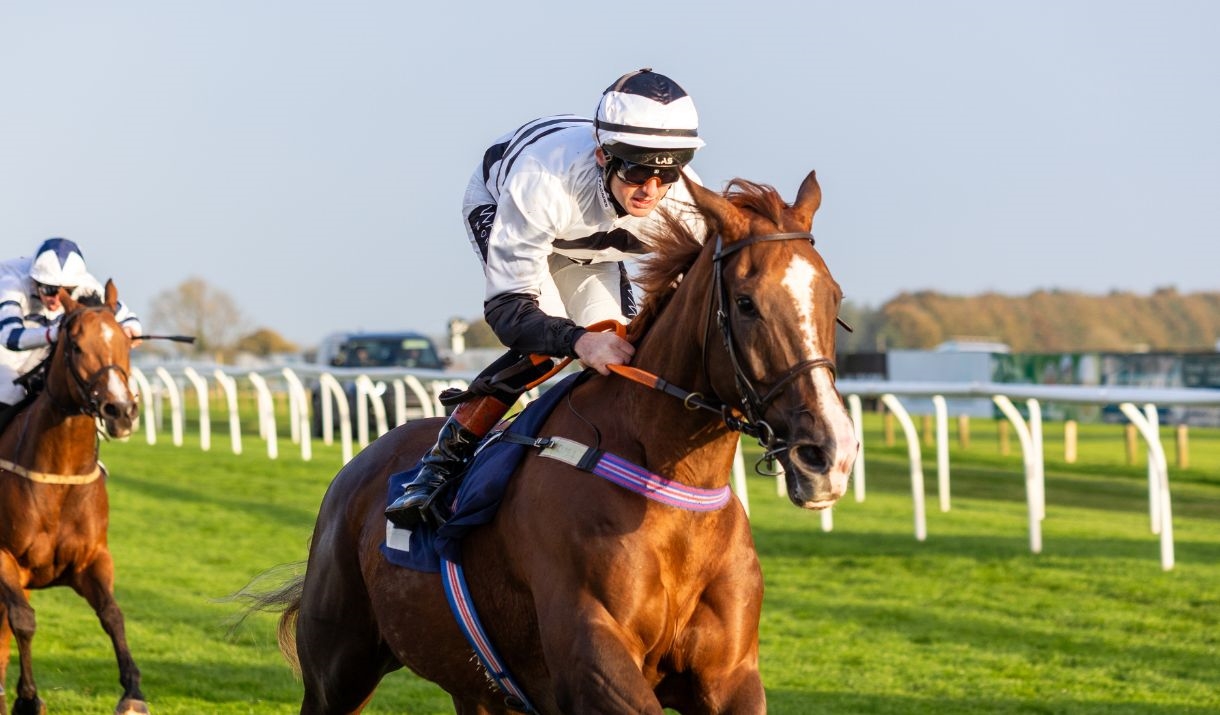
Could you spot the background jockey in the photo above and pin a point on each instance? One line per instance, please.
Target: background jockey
(30, 308)
(552, 210)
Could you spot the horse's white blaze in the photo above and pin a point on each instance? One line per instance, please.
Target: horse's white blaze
(799, 279)
(116, 386)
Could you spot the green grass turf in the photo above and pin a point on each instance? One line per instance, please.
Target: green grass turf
(861, 619)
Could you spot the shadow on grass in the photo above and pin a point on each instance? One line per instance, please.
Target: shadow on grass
(169, 494)
(788, 702)
(809, 540)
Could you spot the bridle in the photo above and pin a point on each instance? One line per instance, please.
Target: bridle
(753, 405)
(749, 419)
(87, 395)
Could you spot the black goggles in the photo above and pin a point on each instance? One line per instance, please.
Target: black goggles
(634, 174)
(44, 289)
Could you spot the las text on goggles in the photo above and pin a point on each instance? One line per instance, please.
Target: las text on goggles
(47, 290)
(637, 174)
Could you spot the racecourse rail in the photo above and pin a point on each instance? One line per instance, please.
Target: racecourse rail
(415, 394)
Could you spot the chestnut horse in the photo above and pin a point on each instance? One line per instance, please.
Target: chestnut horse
(598, 599)
(53, 505)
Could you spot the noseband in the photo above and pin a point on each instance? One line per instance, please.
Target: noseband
(753, 405)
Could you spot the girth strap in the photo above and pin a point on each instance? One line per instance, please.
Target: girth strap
(629, 476)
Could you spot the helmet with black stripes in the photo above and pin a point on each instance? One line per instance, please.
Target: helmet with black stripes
(647, 118)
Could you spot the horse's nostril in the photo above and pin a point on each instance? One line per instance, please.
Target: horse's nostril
(813, 457)
(109, 410)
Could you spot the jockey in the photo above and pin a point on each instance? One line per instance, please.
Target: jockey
(30, 308)
(552, 211)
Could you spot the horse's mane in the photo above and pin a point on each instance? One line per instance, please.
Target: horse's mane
(675, 248)
(91, 300)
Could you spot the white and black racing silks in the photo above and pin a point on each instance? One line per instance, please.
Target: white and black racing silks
(538, 193)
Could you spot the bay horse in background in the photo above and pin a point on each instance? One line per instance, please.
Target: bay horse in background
(598, 599)
(54, 510)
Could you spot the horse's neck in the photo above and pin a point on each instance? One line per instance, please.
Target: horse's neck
(692, 445)
(45, 439)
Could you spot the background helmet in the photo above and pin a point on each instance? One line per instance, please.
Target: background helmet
(647, 118)
(59, 262)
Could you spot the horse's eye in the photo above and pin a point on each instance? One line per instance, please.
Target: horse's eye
(745, 304)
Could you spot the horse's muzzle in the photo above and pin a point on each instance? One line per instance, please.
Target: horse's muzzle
(817, 473)
(119, 416)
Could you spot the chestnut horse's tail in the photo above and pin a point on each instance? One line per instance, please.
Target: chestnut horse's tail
(285, 600)
(290, 597)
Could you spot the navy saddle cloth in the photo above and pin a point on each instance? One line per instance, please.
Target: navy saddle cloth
(478, 496)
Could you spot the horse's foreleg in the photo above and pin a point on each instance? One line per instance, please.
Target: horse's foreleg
(719, 647)
(20, 623)
(596, 673)
(96, 585)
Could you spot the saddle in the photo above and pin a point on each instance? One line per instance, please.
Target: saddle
(475, 495)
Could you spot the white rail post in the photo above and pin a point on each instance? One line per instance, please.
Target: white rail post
(1154, 497)
(145, 391)
(425, 400)
(298, 404)
(332, 390)
(1035, 437)
(942, 450)
(175, 404)
(364, 389)
(1027, 451)
(205, 418)
(400, 402)
(1158, 496)
(367, 394)
(266, 414)
(857, 419)
(229, 385)
(739, 478)
(295, 398)
(916, 459)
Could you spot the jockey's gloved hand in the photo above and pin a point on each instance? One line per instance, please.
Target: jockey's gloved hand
(53, 333)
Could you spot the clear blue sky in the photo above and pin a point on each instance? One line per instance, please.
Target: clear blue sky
(309, 158)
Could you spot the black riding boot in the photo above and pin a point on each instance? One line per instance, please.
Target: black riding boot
(483, 406)
(455, 445)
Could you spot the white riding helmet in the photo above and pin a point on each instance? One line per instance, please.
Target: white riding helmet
(59, 262)
(647, 118)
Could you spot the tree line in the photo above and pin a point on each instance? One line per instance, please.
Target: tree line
(1042, 321)
(212, 317)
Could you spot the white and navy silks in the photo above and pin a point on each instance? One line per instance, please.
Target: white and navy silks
(25, 338)
(553, 239)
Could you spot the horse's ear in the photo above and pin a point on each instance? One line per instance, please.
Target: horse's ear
(808, 199)
(112, 295)
(720, 210)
